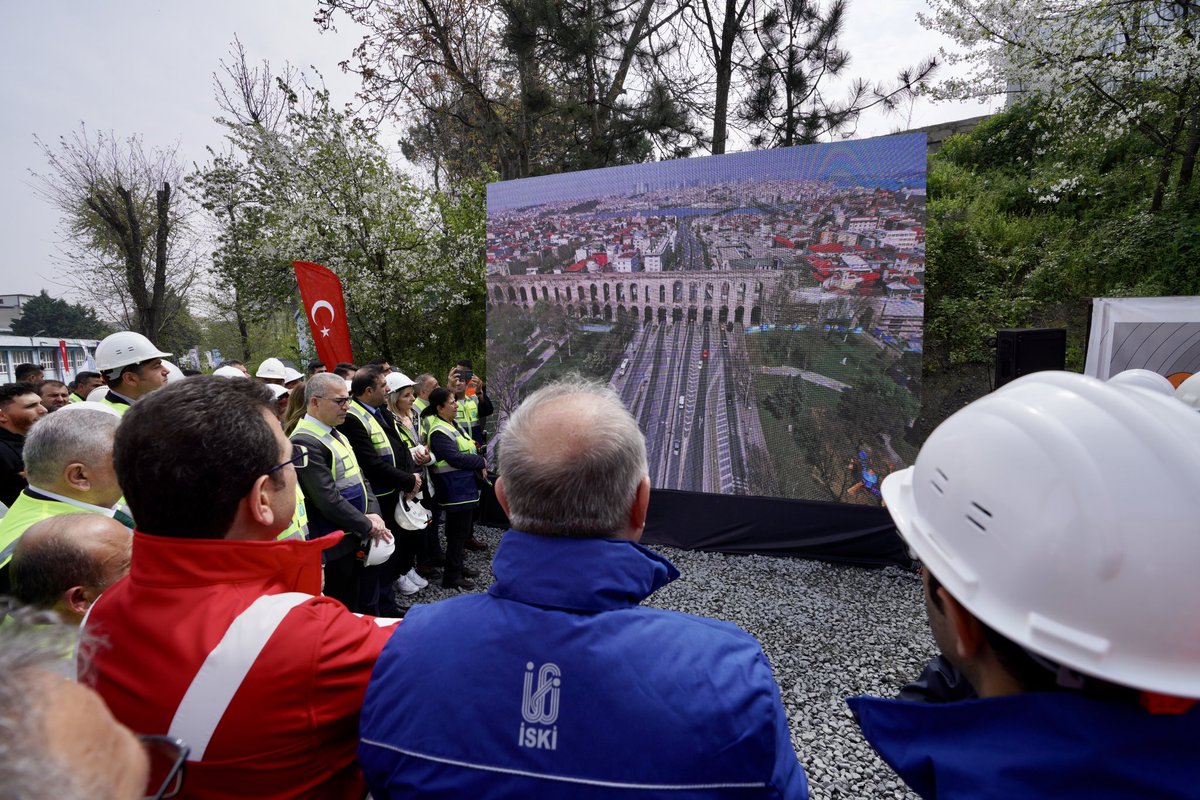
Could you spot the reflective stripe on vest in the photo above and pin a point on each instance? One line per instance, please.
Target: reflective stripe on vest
(379, 439)
(457, 486)
(345, 467)
(25, 511)
(467, 415)
(221, 675)
(406, 433)
(298, 529)
(465, 444)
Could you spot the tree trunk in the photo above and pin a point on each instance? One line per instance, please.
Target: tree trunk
(1188, 165)
(157, 319)
(724, 68)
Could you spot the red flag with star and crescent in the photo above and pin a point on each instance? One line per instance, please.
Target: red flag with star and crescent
(321, 293)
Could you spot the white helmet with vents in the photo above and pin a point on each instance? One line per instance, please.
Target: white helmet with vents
(1143, 379)
(1064, 513)
(1189, 392)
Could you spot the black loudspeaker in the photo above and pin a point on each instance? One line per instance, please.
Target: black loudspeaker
(1020, 351)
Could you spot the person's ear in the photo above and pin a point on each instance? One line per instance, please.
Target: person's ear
(968, 631)
(639, 509)
(501, 497)
(78, 599)
(259, 499)
(76, 476)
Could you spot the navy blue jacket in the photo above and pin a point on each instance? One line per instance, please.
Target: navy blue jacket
(1039, 745)
(556, 684)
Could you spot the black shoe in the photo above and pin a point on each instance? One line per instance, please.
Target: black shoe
(428, 571)
(461, 583)
(475, 544)
(468, 572)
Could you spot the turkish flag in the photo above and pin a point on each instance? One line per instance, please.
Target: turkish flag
(321, 292)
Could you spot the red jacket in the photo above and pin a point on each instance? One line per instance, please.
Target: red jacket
(274, 712)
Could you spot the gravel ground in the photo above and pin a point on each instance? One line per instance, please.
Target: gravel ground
(830, 632)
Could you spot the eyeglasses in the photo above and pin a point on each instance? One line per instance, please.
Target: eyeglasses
(341, 401)
(299, 458)
(168, 757)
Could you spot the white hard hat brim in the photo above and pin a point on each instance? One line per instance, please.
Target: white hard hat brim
(380, 552)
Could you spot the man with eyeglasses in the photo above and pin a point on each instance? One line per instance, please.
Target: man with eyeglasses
(219, 636)
(336, 494)
(385, 461)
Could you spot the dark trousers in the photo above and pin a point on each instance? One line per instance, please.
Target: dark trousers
(431, 546)
(460, 525)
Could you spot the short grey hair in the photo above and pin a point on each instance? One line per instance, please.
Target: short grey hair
(57, 440)
(575, 479)
(31, 646)
(420, 381)
(321, 384)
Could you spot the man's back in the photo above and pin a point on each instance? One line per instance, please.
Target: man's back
(222, 644)
(556, 684)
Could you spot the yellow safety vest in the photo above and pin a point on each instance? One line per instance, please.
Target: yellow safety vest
(379, 439)
(120, 408)
(467, 415)
(346, 474)
(299, 527)
(456, 486)
(25, 511)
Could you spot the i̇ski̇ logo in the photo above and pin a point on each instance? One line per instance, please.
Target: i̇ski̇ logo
(539, 707)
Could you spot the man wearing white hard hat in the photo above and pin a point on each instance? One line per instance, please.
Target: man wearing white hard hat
(1057, 520)
(385, 461)
(291, 378)
(132, 368)
(271, 371)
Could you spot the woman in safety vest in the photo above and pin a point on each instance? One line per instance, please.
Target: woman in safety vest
(455, 465)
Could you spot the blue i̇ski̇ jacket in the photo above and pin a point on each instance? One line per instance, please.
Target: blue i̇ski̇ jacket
(556, 684)
(1059, 745)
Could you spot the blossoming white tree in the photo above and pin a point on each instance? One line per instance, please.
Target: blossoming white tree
(1103, 69)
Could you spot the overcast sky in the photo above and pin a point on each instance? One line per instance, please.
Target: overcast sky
(137, 66)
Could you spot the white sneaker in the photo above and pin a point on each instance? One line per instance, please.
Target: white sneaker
(415, 579)
(405, 586)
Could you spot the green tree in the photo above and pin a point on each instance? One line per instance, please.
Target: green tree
(794, 54)
(55, 317)
(129, 242)
(319, 187)
(525, 86)
(1106, 72)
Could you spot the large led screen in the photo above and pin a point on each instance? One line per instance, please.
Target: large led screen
(759, 313)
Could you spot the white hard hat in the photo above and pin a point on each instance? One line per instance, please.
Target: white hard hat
(228, 372)
(1189, 391)
(380, 552)
(1063, 515)
(276, 390)
(96, 395)
(397, 380)
(411, 515)
(124, 349)
(174, 373)
(290, 374)
(1143, 379)
(270, 368)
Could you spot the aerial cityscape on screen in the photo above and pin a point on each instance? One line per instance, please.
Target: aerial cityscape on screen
(760, 313)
